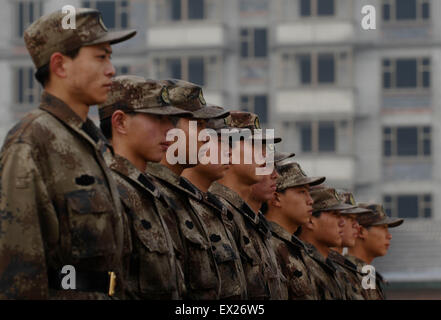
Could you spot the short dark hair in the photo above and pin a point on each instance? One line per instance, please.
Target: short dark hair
(264, 208)
(106, 127)
(316, 214)
(43, 73)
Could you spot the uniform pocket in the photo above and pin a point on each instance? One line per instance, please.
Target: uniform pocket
(90, 220)
(200, 268)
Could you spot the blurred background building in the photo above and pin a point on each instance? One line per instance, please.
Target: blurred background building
(360, 107)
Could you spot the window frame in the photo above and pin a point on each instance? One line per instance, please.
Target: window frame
(250, 104)
(314, 10)
(35, 92)
(419, 13)
(38, 12)
(314, 67)
(392, 205)
(315, 143)
(119, 10)
(185, 11)
(249, 39)
(421, 137)
(392, 70)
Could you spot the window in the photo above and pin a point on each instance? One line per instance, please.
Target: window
(187, 10)
(406, 10)
(317, 68)
(253, 6)
(115, 13)
(318, 137)
(253, 43)
(257, 104)
(408, 206)
(406, 73)
(28, 90)
(27, 11)
(310, 8)
(204, 71)
(407, 142)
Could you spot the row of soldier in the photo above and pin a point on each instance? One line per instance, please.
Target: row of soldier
(135, 226)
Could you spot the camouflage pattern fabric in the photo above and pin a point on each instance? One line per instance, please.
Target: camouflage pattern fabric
(253, 235)
(224, 247)
(58, 204)
(376, 216)
(352, 283)
(153, 272)
(291, 175)
(369, 294)
(290, 252)
(327, 199)
(191, 241)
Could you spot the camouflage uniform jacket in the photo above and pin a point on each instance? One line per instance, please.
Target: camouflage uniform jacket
(252, 233)
(209, 209)
(59, 205)
(191, 242)
(325, 275)
(152, 272)
(353, 283)
(369, 294)
(290, 252)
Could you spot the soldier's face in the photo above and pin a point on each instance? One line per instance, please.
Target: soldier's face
(146, 135)
(265, 189)
(246, 171)
(296, 204)
(377, 240)
(89, 74)
(214, 170)
(350, 231)
(191, 128)
(328, 228)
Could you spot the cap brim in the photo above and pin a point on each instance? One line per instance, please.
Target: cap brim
(113, 37)
(210, 112)
(339, 207)
(264, 138)
(356, 210)
(280, 156)
(311, 181)
(166, 111)
(390, 222)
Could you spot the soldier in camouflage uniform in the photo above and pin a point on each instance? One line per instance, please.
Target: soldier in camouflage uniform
(290, 208)
(264, 190)
(251, 230)
(373, 241)
(349, 235)
(134, 110)
(190, 234)
(213, 212)
(320, 233)
(58, 203)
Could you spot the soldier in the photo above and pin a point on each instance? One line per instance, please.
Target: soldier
(290, 208)
(320, 233)
(134, 110)
(373, 241)
(59, 204)
(264, 190)
(213, 212)
(251, 230)
(349, 235)
(188, 231)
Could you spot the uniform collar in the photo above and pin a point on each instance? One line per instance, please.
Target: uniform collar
(360, 264)
(317, 256)
(128, 171)
(342, 260)
(60, 110)
(173, 180)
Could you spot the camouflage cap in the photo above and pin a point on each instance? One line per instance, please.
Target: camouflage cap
(136, 94)
(46, 35)
(348, 198)
(291, 175)
(247, 120)
(189, 96)
(376, 216)
(327, 199)
(276, 157)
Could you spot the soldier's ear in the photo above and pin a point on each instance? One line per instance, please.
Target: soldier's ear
(119, 122)
(276, 200)
(362, 233)
(57, 65)
(311, 224)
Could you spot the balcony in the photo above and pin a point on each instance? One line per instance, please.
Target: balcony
(314, 31)
(315, 101)
(178, 36)
(338, 170)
